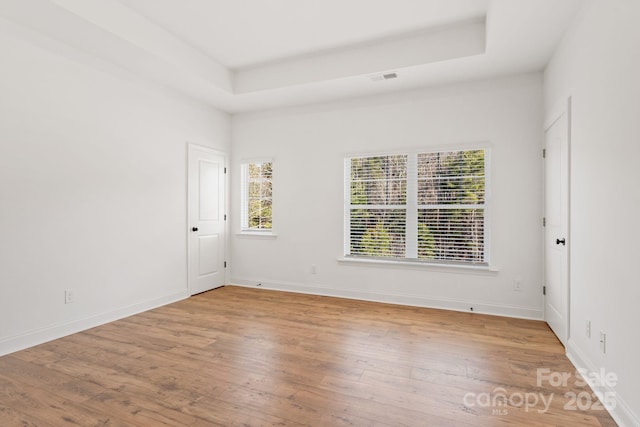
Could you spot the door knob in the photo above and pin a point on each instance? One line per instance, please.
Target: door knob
(194, 229)
(561, 241)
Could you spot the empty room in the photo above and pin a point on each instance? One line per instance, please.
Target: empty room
(319, 213)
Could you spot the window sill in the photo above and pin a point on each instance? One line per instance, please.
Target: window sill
(447, 268)
(256, 235)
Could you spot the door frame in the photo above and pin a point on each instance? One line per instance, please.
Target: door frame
(562, 108)
(191, 148)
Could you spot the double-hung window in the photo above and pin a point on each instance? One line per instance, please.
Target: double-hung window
(426, 206)
(256, 205)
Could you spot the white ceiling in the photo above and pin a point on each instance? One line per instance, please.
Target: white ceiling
(243, 55)
(243, 33)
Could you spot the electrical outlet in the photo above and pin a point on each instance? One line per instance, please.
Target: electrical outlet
(603, 342)
(314, 269)
(587, 329)
(517, 285)
(69, 296)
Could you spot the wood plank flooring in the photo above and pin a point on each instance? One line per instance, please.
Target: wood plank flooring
(250, 357)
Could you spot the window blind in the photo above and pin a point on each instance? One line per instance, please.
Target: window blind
(378, 196)
(427, 207)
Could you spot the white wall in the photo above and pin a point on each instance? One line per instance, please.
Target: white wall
(308, 145)
(92, 193)
(598, 65)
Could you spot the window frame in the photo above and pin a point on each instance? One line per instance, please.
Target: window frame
(412, 210)
(245, 230)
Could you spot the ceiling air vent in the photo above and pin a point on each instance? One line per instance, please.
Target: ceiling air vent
(386, 76)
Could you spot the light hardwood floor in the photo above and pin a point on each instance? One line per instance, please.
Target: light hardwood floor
(249, 357)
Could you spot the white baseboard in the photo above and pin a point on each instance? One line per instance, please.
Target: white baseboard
(622, 413)
(49, 333)
(411, 300)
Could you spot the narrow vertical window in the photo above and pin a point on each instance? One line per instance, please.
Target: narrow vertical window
(451, 206)
(377, 211)
(257, 191)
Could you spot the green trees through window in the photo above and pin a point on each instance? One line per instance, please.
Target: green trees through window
(257, 196)
(425, 206)
(378, 201)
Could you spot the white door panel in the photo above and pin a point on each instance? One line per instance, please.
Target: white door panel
(209, 254)
(209, 193)
(206, 219)
(556, 229)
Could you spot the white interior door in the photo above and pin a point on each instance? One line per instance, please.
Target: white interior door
(556, 229)
(206, 219)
